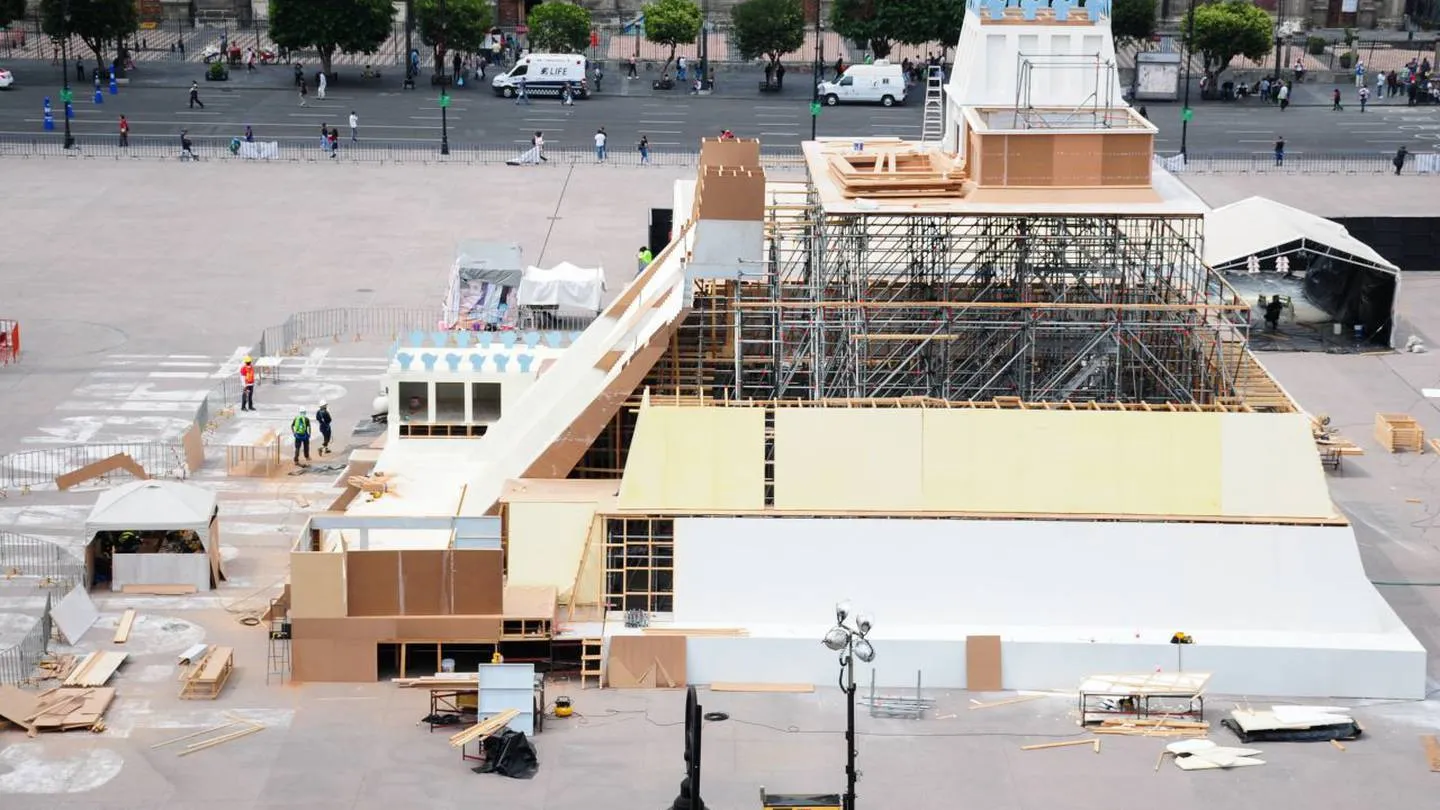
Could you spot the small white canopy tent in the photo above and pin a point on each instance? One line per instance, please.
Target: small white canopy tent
(564, 286)
(159, 506)
(1343, 277)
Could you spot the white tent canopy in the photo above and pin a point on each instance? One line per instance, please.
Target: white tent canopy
(160, 506)
(1258, 226)
(564, 285)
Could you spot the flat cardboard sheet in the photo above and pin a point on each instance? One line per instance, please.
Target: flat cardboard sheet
(425, 582)
(318, 580)
(645, 662)
(17, 705)
(530, 602)
(74, 614)
(696, 458)
(372, 583)
(546, 542)
(982, 664)
(478, 582)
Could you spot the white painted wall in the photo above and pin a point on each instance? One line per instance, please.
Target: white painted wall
(161, 569)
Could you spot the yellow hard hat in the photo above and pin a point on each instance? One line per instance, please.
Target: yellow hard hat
(248, 360)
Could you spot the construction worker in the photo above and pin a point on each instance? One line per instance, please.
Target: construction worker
(644, 257)
(322, 418)
(300, 427)
(247, 376)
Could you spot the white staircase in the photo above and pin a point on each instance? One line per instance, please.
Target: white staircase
(933, 127)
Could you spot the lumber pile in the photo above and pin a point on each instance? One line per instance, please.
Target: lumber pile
(1153, 727)
(207, 677)
(95, 669)
(59, 709)
(484, 728)
(443, 680)
(374, 483)
(1397, 431)
(53, 667)
(898, 170)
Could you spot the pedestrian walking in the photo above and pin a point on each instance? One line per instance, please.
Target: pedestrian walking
(631, 71)
(124, 131)
(521, 97)
(195, 96)
(1284, 96)
(322, 418)
(187, 150)
(1335, 100)
(320, 82)
(643, 259)
(249, 134)
(1399, 160)
(644, 150)
(680, 65)
(300, 429)
(299, 74)
(599, 76)
(567, 96)
(334, 143)
(1364, 97)
(247, 379)
(600, 139)
(1280, 150)
(304, 91)
(324, 137)
(538, 144)
(354, 127)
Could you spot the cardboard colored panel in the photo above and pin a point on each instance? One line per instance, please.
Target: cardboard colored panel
(424, 582)
(317, 585)
(372, 583)
(194, 449)
(446, 628)
(1078, 159)
(696, 458)
(477, 584)
(333, 661)
(844, 459)
(1270, 467)
(982, 664)
(1127, 160)
(530, 601)
(119, 461)
(545, 542)
(350, 629)
(1071, 462)
(645, 662)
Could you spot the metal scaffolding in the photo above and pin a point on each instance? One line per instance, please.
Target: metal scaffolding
(960, 306)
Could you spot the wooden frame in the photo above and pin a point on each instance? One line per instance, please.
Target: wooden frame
(640, 564)
(207, 678)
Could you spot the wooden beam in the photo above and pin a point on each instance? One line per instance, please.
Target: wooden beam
(127, 620)
(1092, 741)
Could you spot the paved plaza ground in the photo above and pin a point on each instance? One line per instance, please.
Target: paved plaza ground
(137, 283)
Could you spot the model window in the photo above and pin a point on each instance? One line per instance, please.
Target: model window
(884, 81)
(847, 81)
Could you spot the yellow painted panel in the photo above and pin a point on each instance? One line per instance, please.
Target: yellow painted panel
(545, 542)
(317, 585)
(840, 458)
(1071, 462)
(705, 459)
(1271, 467)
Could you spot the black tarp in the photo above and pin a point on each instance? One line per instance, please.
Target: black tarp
(509, 753)
(1352, 294)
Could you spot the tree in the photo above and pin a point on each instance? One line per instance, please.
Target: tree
(10, 11)
(331, 26)
(559, 28)
(1132, 21)
(860, 21)
(920, 22)
(462, 28)
(770, 28)
(673, 23)
(1229, 29)
(96, 22)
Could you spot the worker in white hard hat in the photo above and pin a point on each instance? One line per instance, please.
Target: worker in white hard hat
(322, 418)
(300, 428)
(247, 378)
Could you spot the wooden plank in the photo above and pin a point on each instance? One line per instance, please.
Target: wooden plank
(762, 687)
(201, 746)
(1092, 741)
(975, 704)
(159, 590)
(127, 620)
(484, 728)
(1432, 751)
(215, 663)
(119, 461)
(717, 632)
(97, 669)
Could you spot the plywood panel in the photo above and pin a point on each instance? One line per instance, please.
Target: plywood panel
(1271, 468)
(1078, 159)
(1071, 462)
(696, 458)
(348, 629)
(546, 541)
(372, 583)
(425, 582)
(317, 585)
(1030, 160)
(445, 628)
(333, 661)
(478, 583)
(982, 664)
(839, 459)
(645, 662)
(1127, 159)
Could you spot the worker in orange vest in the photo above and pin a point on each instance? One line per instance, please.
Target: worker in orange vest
(247, 376)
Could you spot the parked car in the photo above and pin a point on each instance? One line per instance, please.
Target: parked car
(7, 79)
(881, 82)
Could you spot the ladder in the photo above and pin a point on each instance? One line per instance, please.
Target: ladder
(277, 658)
(933, 127)
(592, 656)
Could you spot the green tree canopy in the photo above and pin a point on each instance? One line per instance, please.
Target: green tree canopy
(673, 23)
(769, 28)
(331, 26)
(96, 22)
(1132, 21)
(462, 28)
(10, 11)
(1229, 29)
(559, 28)
(877, 24)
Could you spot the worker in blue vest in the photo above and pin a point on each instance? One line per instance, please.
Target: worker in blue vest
(322, 418)
(300, 426)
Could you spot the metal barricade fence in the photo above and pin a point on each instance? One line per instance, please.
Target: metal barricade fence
(39, 467)
(18, 662)
(23, 555)
(1303, 162)
(343, 323)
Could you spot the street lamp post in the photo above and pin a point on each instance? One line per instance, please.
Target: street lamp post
(409, 63)
(65, 95)
(816, 79)
(444, 95)
(1189, 57)
(848, 637)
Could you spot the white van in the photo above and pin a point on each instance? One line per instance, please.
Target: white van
(545, 74)
(883, 82)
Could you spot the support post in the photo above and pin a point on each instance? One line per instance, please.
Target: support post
(1189, 57)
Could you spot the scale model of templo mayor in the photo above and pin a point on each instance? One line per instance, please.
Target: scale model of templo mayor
(982, 385)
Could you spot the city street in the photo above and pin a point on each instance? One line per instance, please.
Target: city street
(156, 103)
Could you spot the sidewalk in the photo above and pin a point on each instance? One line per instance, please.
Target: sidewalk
(1315, 92)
